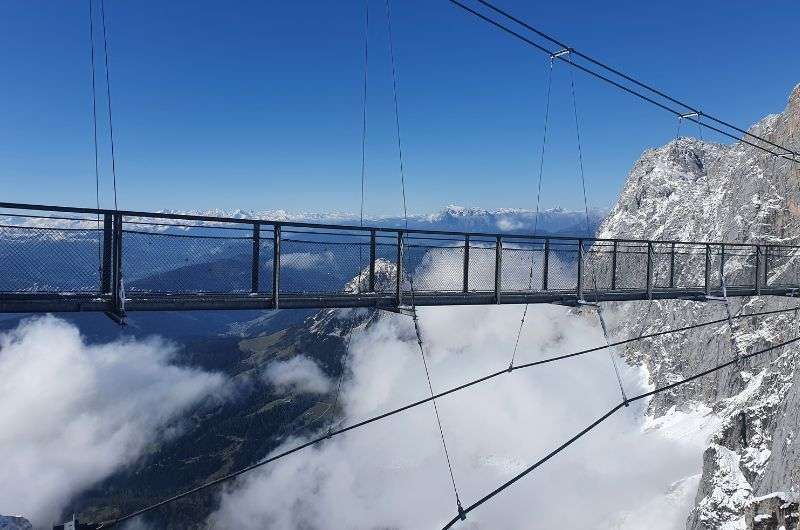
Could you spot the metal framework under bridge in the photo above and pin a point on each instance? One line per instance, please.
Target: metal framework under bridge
(56, 258)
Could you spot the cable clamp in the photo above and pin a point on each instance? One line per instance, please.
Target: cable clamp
(559, 53)
(695, 114)
(461, 513)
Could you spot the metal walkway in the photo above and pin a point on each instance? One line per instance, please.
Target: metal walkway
(56, 259)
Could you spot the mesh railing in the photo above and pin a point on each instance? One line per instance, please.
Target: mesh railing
(562, 266)
(313, 262)
(50, 254)
(782, 265)
(598, 269)
(522, 265)
(690, 263)
(186, 263)
(36, 259)
(481, 267)
(437, 264)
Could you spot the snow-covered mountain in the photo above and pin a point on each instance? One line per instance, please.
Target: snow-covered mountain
(453, 218)
(695, 190)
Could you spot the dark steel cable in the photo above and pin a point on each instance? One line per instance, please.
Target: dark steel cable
(538, 202)
(94, 135)
(363, 178)
(108, 101)
(633, 80)
(600, 420)
(619, 85)
(409, 406)
(363, 136)
(582, 175)
(411, 276)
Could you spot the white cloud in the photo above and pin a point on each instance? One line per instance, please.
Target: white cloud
(298, 374)
(73, 413)
(392, 474)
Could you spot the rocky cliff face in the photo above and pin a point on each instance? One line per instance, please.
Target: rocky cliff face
(700, 191)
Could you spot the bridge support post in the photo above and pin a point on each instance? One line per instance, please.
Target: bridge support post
(107, 265)
(614, 267)
(276, 266)
(649, 270)
(372, 245)
(466, 263)
(672, 266)
(545, 263)
(757, 277)
(117, 312)
(254, 280)
(708, 271)
(579, 288)
(399, 266)
(498, 269)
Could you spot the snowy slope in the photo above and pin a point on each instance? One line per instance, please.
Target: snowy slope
(699, 191)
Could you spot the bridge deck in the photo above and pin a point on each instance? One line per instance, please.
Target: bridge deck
(76, 259)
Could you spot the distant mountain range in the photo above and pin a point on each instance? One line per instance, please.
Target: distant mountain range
(453, 218)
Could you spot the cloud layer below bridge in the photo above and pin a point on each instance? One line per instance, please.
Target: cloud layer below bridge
(73, 413)
(392, 474)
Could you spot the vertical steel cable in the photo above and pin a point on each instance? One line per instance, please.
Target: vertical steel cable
(588, 231)
(363, 135)
(538, 201)
(108, 100)
(414, 317)
(94, 137)
(363, 179)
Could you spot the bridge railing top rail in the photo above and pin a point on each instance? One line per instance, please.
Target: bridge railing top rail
(231, 223)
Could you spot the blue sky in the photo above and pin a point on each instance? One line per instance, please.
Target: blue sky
(257, 104)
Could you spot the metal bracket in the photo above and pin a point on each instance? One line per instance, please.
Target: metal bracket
(401, 310)
(710, 298)
(118, 317)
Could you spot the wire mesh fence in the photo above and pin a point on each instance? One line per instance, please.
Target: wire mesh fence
(481, 266)
(689, 267)
(312, 262)
(598, 269)
(53, 254)
(50, 260)
(522, 265)
(781, 265)
(437, 265)
(185, 263)
(562, 265)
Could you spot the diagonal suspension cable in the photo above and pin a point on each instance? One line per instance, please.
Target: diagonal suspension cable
(361, 213)
(400, 242)
(108, 101)
(582, 175)
(538, 202)
(600, 420)
(234, 474)
(783, 152)
(692, 113)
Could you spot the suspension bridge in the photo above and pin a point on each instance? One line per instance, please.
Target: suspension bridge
(113, 261)
(70, 259)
